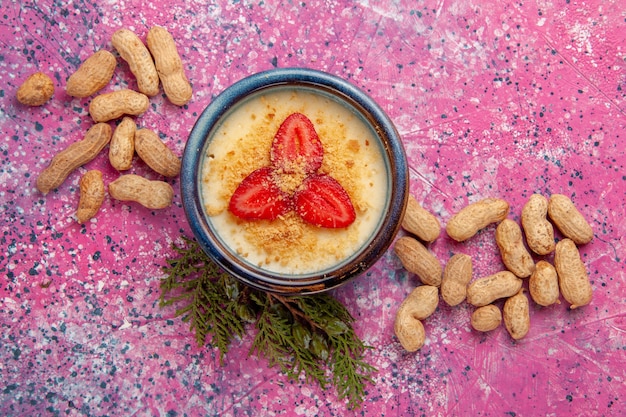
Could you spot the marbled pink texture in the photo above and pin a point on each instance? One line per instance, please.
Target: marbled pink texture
(491, 99)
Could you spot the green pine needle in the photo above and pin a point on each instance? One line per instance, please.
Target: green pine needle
(303, 335)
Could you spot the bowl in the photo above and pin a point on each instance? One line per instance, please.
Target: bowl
(362, 151)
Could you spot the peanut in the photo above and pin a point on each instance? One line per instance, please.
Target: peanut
(169, 65)
(422, 301)
(514, 254)
(36, 90)
(569, 220)
(155, 153)
(417, 259)
(539, 231)
(122, 146)
(486, 318)
(408, 328)
(75, 155)
(150, 194)
(573, 278)
(456, 275)
(476, 216)
(92, 75)
(91, 195)
(420, 221)
(486, 290)
(109, 106)
(133, 51)
(544, 284)
(516, 314)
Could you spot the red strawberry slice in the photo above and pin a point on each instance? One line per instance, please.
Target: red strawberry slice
(296, 146)
(323, 202)
(258, 197)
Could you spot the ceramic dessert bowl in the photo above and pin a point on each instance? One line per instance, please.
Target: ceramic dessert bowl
(288, 253)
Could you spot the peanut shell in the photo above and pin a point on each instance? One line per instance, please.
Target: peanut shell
(486, 290)
(486, 318)
(538, 230)
(169, 65)
(516, 315)
(476, 216)
(113, 105)
(512, 250)
(155, 153)
(91, 195)
(573, 278)
(92, 75)
(456, 275)
(420, 221)
(75, 155)
(422, 301)
(36, 90)
(409, 331)
(544, 284)
(150, 194)
(569, 220)
(122, 146)
(139, 60)
(417, 259)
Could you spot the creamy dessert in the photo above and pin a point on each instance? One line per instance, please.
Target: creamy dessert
(293, 235)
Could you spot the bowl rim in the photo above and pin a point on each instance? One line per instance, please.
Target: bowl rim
(396, 164)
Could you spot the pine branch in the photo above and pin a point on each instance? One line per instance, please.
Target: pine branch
(308, 336)
(211, 310)
(281, 340)
(350, 371)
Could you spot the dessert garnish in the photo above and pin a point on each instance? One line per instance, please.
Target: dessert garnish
(293, 181)
(309, 338)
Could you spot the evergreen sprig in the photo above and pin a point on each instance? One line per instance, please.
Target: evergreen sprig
(302, 335)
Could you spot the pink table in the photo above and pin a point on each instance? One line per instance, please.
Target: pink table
(501, 99)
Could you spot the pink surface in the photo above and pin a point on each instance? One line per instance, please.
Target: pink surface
(501, 99)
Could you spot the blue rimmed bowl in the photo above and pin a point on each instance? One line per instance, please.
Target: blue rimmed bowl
(357, 103)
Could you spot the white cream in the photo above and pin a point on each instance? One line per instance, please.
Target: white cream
(352, 155)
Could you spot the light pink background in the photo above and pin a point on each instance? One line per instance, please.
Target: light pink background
(492, 99)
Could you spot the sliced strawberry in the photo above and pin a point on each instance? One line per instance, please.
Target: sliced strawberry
(296, 146)
(323, 202)
(258, 197)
